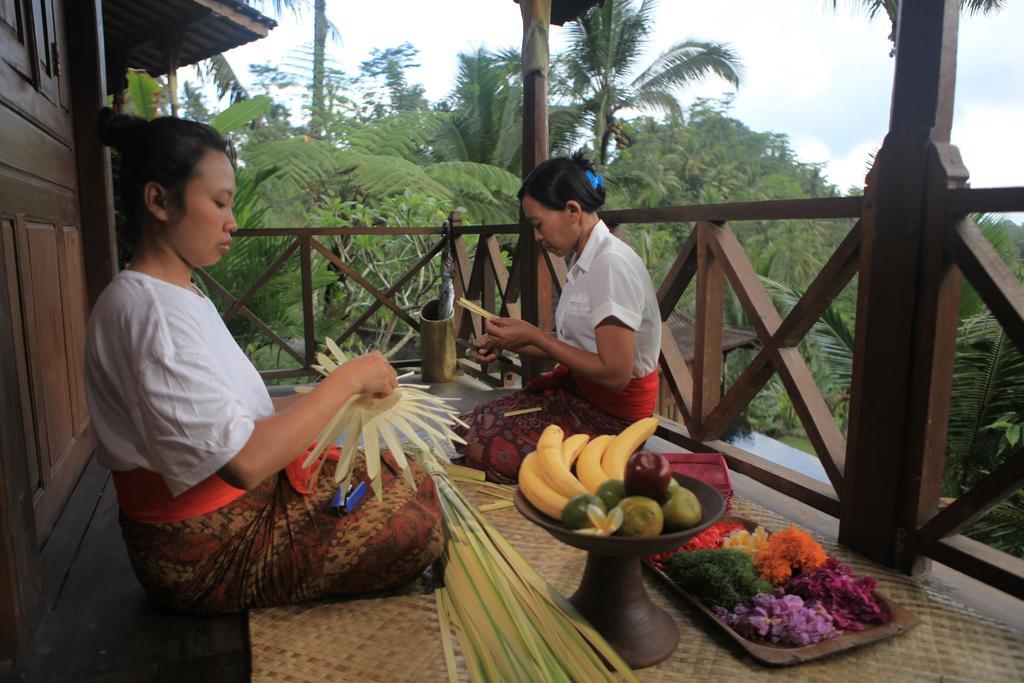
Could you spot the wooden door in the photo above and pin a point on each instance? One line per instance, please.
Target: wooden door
(43, 260)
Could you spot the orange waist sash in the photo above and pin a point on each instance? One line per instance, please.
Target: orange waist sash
(143, 496)
(635, 402)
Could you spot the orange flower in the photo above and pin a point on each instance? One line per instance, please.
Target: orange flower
(788, 552)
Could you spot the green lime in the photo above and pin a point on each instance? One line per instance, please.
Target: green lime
(682, 510)
(574, 514)
(641, 516)
(611, 492)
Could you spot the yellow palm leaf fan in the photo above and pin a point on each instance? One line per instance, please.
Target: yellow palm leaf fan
(408, 412)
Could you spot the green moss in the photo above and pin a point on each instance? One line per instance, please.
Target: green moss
(718, 578)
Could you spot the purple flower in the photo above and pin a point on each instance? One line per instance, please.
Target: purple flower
(785, 620)
(851, 602)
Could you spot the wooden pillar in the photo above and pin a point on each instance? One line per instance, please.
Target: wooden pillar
(708, 321)
(536, 290)
(172, 50)
(906, 300)
(95, 191)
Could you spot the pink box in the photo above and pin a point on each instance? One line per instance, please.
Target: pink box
(710, 468)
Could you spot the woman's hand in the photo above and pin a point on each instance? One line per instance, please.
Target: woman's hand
(513, 334)
(485, 349)
(371, 374)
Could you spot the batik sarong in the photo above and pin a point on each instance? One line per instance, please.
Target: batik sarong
(275, 546)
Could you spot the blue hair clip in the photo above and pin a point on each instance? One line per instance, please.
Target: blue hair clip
(596, 181)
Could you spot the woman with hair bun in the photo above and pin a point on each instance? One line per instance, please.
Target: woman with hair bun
(607, 336)
(211, 519)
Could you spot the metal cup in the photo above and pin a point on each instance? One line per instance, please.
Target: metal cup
(437, 344)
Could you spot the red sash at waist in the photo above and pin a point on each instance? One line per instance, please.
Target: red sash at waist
(635, 402)
(143, 495)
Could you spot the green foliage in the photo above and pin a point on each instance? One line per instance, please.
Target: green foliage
(603, 67)
(486, 125)
(486, 194)
(405, 135)
(278, 302)
(193, 104)
(241, 113)
(382, 160)
(386, 89)
(218, 70)
(145, 95)
(381, 261)
(988, 385)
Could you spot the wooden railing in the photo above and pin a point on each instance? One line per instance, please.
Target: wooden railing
(485, 278)
(710, 257)
(963, 252)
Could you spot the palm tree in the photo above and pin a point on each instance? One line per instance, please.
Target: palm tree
(606, 45)
(218, 69)
(486, 125)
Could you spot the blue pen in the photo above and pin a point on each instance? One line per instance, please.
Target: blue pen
(337, 503)
(355, 498)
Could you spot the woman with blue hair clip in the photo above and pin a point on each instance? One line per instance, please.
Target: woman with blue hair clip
(607, 336)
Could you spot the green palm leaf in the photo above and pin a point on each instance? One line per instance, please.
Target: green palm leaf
(690, 62)
(241, 113)
(381, 176)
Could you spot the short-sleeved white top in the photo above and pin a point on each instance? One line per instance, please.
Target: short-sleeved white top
(169, 389)
(610, 280)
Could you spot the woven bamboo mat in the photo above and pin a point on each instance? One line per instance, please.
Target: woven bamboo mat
(397, 638)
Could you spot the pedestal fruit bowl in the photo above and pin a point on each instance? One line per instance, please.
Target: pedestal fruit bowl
(611, 595)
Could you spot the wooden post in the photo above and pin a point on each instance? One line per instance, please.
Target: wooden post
(904, 297)
(306, 273)
(172, 50)
(536, 290)
(95, 189)
(707, 340)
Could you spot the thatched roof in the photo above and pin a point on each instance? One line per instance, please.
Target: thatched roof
(568, 10)
(136, 33)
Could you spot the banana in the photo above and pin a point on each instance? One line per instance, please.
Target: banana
(588, 464)
(536, 490)
(552, 467)
(572, 447)
(629, 440)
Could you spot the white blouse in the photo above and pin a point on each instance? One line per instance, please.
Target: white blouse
(168, 388)
(610, 280)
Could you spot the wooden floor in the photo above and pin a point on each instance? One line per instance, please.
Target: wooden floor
(100, 626)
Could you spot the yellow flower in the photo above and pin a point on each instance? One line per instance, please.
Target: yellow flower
(750, 543)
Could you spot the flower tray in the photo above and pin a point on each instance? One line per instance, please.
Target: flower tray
(900, 620)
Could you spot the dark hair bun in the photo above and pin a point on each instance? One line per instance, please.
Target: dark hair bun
(119, 131)
(579, 158)
(558, 180)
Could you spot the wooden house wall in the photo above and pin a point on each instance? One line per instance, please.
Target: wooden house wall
(47, 435)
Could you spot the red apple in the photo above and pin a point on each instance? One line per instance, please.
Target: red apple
(647, 474)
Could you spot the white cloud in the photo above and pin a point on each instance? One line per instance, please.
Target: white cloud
(991, 143)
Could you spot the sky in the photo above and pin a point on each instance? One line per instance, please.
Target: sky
(820, 75)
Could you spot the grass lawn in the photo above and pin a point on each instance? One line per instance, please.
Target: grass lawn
(798, 442)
